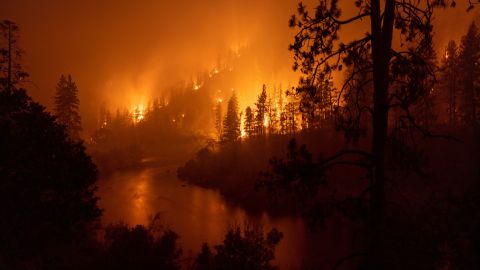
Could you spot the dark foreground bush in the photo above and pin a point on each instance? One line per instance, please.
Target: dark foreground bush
(140, 248)
(241, 249)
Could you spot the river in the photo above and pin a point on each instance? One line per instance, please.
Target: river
(198, 215)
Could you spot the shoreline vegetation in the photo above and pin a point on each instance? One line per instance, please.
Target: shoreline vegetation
(235, 169)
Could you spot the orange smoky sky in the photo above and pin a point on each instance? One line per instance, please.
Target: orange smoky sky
(122, 52)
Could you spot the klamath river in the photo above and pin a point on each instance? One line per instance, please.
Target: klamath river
(199, 215)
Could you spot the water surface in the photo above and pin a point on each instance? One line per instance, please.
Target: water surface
(199, 215)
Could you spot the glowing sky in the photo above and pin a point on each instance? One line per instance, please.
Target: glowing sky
(119, 50)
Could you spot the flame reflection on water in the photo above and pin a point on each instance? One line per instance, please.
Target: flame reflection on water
(198, 215)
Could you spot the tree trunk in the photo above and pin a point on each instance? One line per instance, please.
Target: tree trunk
(9, 76)
(381, 45)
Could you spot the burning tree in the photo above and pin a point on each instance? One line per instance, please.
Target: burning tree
(261, 111)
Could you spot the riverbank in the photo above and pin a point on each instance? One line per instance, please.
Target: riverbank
(235, 169)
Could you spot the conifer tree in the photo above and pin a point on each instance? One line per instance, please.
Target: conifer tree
(283, 122)
(449, 82)
(231, 124)
(260, 112)
(11, 72)
(67, 105)
(249, 122)
(272, 122)
(469, 60)
(290, 121)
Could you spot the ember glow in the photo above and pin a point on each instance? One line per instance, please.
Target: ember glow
(138, 113)
(265, 121)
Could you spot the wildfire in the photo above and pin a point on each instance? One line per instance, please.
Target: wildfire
(243, 133)
(215, 71)
(197, 86)
(138, 113)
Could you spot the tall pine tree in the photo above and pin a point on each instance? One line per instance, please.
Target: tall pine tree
(231, 124)
(261, 111)
(11, 72)
(249, 122)
(67, 105)
(449, 84)
(470, 69)
(272, 122)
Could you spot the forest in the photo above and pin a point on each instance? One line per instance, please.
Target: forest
(365, 154)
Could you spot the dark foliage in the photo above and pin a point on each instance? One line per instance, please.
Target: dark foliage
(47, 186)
(11, 71)
(261, 110)
(67, 106)
(231, 123)
(140, 248)
(469, 59)
(241, 250)
(234, 169)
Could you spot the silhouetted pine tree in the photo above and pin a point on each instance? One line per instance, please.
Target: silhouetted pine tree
(424, 68)
(283, 123)
(449, 83)
(11, 71)
(470, 69)
(67, 105)
(231, 124)
(272, 116)
(260, 112)
(249, 122)
(289, 118)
